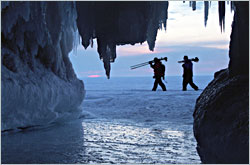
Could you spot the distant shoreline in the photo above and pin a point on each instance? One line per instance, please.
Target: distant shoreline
(142, 76)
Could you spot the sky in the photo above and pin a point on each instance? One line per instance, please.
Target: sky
(186, 34)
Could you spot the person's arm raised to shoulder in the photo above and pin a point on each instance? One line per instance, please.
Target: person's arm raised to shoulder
(181, 61)
(151, 64)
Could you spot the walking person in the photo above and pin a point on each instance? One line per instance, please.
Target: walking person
(188, 73)
(159, 72)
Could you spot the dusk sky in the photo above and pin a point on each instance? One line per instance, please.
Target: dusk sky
(186, 34)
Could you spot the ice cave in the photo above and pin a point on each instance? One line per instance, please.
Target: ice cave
(40, 87)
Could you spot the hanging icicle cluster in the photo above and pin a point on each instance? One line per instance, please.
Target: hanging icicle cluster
(119, 23)
(221, 11)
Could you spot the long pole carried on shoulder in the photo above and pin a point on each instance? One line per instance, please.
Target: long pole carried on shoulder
(146, 63)
(196, 59)
(139, 65)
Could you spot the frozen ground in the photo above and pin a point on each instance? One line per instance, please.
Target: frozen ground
(123, 121)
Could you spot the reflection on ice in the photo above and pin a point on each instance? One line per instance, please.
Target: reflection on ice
(61, 143)
(113, 142)
(172, 134)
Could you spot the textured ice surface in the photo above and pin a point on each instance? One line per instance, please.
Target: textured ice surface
(123, 122)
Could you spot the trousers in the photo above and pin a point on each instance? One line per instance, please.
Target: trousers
(158, 81)
(186, 81)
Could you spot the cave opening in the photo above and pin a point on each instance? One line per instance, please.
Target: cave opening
(49, 114)
(187, 33)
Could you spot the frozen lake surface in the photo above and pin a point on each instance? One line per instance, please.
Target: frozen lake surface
(123, 121)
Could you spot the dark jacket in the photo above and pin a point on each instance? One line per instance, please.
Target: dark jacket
(159, 69)
(188, 69)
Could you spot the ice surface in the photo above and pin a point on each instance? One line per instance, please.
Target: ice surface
(117, 90)
(123, 122)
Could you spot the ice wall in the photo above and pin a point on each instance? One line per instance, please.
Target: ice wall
(119, 23)
(38, 83)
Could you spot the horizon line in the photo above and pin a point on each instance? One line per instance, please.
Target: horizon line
(139, 76)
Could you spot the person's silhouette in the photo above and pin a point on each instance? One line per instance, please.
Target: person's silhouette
(159, 71)
(188, 74)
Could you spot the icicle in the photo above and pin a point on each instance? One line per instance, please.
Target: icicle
(109, 56)
(206, 6)
(194, 5)
(165, 22)
(222, 15)
(106, 63)
(112, 52)
(91, 42)
(107, 53)
(158, 17)
(232, 6)
(4, 4)
(76, 41)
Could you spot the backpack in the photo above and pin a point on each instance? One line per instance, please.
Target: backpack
(159, 70)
